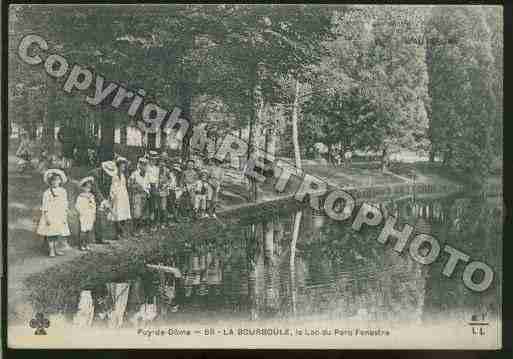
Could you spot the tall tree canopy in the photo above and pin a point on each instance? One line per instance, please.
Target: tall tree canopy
(379, 96)
(379, 78)
(463, 88)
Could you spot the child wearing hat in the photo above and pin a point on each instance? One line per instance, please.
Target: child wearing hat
(54, 217)
(86, 208)
(201, 190)
(120, 203)
(140, 190)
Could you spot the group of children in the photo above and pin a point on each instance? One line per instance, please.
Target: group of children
(155, 193)
(161, 191)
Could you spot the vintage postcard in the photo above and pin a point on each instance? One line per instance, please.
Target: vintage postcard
(254, 176)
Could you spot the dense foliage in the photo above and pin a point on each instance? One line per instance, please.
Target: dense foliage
(371, 78)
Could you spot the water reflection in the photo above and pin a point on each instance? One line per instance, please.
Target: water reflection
(305, 265)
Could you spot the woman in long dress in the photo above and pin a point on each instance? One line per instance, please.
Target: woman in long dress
(120, 203)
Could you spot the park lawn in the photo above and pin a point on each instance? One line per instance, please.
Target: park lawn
(429, 173)
(354, 176)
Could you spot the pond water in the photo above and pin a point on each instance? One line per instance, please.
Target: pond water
(304, 265)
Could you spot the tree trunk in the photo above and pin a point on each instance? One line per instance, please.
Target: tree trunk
(96, 129)
(9, 124)
(49, 123)
(342, 154)
(253, 191)
(330, 155)
(163, 140)
(295, 132)
(292, 260)
(107, 137)
(31, 115)
(252, 258)
(266, 143)
(123, 135)
(184, 102)
(253, 119)
(268, 263)
(447, 157)
(384, 159)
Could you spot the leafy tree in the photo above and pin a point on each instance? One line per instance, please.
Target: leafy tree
(376, 79)
(115, 41)
(494, 17)
(263, 45)
(461, 68)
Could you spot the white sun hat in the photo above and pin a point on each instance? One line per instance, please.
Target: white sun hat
(110, 168)
(154, 155)
(54, 171)
(83, 181)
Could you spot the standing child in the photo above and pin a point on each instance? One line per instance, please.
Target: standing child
(175, 191)
(189, 177)
(86, 208)
(201, 190)
(120, 211)
(152, 177)
(216, 179)
(140, 190)
(54, 218)
(167, 185)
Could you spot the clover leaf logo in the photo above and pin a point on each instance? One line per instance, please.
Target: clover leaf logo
(40, 323)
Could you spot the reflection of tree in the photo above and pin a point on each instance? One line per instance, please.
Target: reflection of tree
(292, 266)
(335, 271)
(268, 228)
(470, 226)
(252, 253)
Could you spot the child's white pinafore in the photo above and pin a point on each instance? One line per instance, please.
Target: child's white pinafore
(54, 207)
(86, 207)
(119, 198)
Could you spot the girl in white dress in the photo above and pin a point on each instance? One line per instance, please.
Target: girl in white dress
(120, 211)
(54, 217)
(86, 208)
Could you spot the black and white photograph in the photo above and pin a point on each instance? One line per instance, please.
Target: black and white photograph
(223, 176)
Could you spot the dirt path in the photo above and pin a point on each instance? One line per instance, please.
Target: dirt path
(26, 252)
